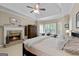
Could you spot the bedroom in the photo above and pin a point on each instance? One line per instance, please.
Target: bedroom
(41, 31)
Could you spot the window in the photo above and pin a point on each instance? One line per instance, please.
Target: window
(41, 28)
(47, 28)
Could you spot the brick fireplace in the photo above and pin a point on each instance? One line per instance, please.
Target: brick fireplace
(13, 33)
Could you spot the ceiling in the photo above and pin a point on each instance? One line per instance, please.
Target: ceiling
(53, 10)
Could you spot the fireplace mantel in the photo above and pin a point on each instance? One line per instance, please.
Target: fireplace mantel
(13, 28)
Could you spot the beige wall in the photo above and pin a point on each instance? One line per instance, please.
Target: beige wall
(5, 17)
(61, 25)
(73, 17)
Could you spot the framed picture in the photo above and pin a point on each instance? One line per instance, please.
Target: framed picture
(77, 20)
(66, 25)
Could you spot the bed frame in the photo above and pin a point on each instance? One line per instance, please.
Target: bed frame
(26, 52)
(34, 52)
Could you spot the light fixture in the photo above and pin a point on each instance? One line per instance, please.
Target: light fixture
(36, 8)
(12, 20)
(67, 31)
(36, 11)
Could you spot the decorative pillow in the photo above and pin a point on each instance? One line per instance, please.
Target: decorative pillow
(48, 34)
(43, 34)
(55, 35)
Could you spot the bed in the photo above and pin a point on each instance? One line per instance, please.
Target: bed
(42, 46)
(73, 46)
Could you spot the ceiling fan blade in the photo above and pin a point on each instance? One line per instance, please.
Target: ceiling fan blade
(42, 9)
(31, 11)
(29, 7)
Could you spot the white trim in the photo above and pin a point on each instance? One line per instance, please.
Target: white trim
(53, 17)
(13, 28)
(1, 45)
(4, 9)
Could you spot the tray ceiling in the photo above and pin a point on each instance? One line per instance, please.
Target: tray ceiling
(53, 10)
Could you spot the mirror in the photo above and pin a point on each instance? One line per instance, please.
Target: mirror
(77, 20)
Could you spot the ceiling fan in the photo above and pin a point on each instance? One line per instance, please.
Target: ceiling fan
(36, 8)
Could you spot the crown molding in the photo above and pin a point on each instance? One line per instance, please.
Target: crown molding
(61, 14)
(4, 9)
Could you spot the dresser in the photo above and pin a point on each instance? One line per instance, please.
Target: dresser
(31, 31)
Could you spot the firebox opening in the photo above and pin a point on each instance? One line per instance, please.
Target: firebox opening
(13, 36)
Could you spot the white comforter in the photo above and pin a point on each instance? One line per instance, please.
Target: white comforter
(32, 41)
(47, 44)
(47, 40)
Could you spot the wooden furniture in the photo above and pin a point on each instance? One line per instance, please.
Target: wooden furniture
(26, 31)
(33, 52)
(26, 52)
(31, 31)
